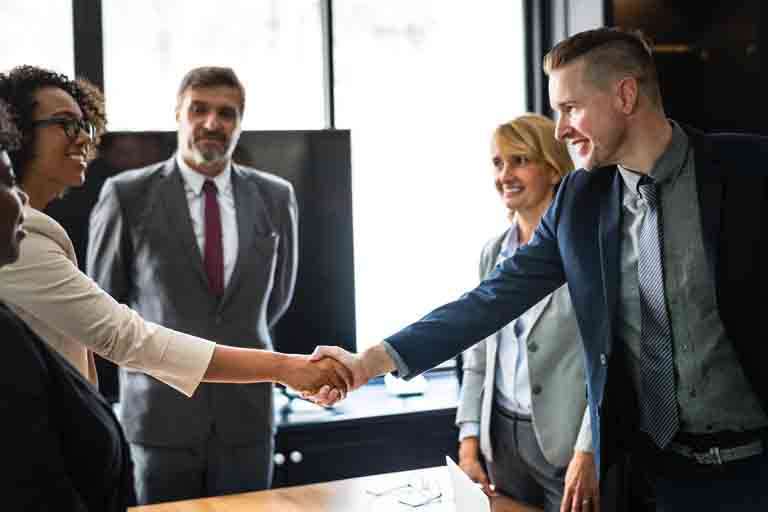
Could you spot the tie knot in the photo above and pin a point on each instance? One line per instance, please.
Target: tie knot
(209, 187)
(648, 189)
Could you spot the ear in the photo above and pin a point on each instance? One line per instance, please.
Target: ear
(627, 95)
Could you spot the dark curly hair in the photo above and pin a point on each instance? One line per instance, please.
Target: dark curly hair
(18, 88)
(10, 136)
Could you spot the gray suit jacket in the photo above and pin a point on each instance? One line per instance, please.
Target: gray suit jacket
(143, 251)
(555, 367)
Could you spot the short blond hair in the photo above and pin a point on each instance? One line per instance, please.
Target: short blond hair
(533, 136)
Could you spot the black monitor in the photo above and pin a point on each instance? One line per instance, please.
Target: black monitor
(318, 164)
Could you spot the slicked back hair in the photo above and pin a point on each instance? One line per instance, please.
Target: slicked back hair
(609, 54)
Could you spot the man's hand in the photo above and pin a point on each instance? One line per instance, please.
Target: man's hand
(373, 362)
(469, 462)
(582, 492)
(309, 375)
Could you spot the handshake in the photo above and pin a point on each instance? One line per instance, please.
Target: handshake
(326, 376)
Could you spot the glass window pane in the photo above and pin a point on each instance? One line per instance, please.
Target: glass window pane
(37, 32)
(275, 47)
(422, 85)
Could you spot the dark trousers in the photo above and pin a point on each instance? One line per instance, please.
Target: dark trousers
(213, 468)
(519, 469)
(682, 484)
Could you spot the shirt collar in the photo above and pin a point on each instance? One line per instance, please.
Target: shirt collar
(195, 180)
(669, 165)
(511, 241)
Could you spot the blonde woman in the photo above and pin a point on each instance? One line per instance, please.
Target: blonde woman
(523, 401)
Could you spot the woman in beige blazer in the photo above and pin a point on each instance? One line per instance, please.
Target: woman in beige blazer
(61, 121)
(523, 399)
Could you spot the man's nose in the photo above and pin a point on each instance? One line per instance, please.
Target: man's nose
(211, 122)
(561, 128)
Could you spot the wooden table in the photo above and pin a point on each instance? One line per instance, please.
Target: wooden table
(339, 496)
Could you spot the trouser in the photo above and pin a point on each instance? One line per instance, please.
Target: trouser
(680, 483)
(519, 469)
(212, 468)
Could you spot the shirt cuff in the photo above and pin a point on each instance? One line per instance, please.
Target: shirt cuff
(184, 361)
(401, 368)
(468, 429)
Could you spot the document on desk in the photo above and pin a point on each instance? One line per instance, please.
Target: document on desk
(466, 494)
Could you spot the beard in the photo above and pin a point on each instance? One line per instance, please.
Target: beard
(209, 153)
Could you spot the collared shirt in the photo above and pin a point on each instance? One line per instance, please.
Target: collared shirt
(193, 187)
(713, 393)
(513, 387)
(511, 380)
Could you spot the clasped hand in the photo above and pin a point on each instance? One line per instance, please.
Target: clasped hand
(327, 375)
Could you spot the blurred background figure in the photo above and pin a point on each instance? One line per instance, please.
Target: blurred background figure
(210, 247)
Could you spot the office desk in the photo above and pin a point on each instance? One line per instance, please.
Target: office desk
(371, 432)
(339, 496)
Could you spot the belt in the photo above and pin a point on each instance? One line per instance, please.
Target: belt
(717, 455)
(510, 414)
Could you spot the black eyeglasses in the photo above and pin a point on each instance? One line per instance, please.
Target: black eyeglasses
(71, 126)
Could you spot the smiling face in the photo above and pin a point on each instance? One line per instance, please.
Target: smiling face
(589, 119)
(57, 158)
(12, 201)
(523, 185)
(208, 127)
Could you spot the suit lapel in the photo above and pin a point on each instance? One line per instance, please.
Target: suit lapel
(709, 182)
(610, 240)
(248, 207)
(174, 202)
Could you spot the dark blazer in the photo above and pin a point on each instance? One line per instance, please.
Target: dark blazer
(62, 445)
(579, 241)
(142, 250)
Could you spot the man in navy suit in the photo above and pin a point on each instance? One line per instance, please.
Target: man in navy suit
(662, 240)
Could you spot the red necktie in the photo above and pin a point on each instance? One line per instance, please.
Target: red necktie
(213, 258)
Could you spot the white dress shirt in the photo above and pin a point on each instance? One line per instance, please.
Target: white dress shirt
(193, 188)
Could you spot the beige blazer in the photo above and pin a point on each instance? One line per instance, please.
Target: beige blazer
(73, 315)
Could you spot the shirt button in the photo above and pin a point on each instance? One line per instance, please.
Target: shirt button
(685, 348)
(692, 393)
(218, 319)
(533, 347)
(536, 389)
(603, 359)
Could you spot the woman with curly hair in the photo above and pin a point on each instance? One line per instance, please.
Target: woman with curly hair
(61, 121)
(51, 414)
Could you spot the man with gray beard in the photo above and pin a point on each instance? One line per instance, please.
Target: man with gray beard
(209, 247)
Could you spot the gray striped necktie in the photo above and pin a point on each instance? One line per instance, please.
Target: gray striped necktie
(659, 416)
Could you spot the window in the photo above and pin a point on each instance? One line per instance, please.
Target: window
(37, 32)
(422, 85)
(275, 47)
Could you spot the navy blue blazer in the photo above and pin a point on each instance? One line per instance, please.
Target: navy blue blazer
(579, 241)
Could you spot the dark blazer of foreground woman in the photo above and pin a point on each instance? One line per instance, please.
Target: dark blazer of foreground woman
(63, 448)
(578, 241)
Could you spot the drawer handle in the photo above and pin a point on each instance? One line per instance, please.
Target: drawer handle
(296, 456)
(279, 459)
